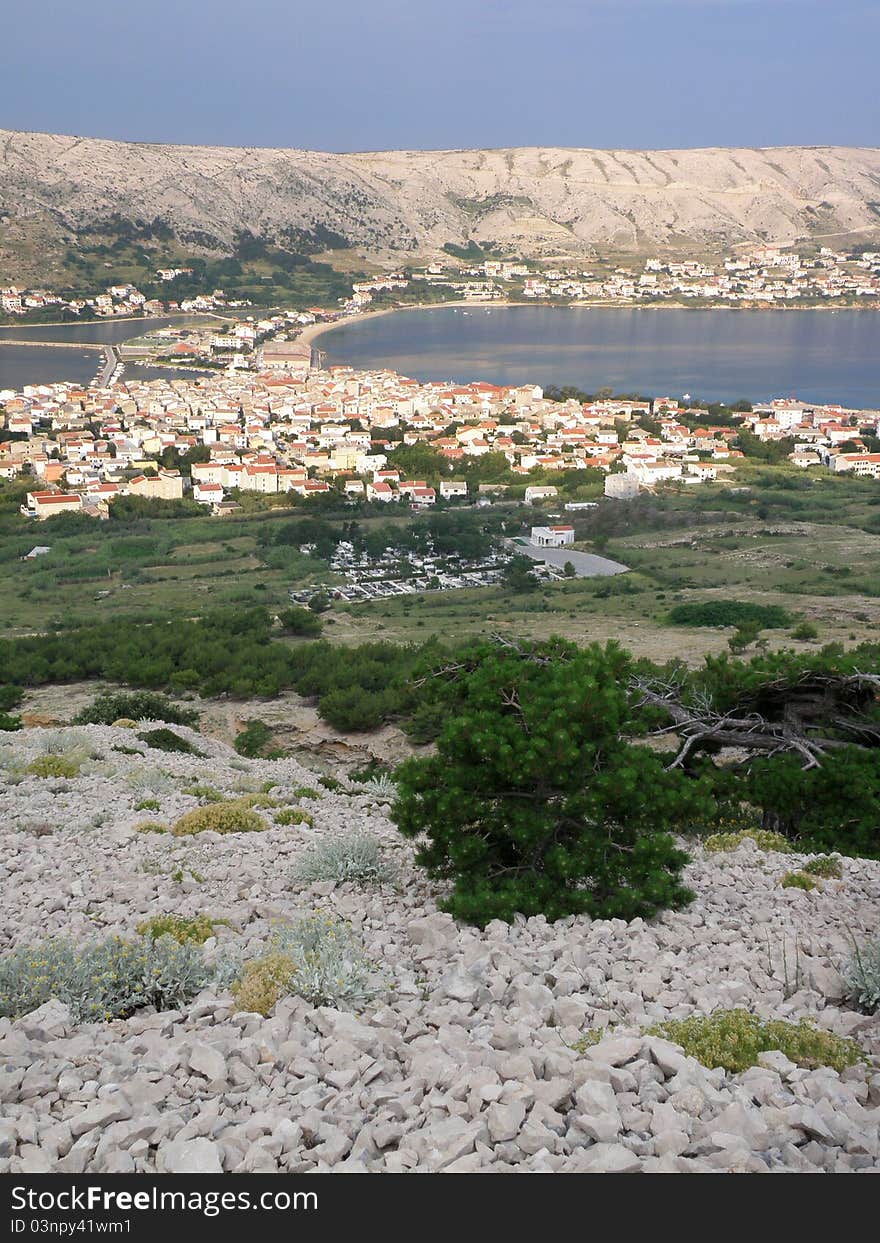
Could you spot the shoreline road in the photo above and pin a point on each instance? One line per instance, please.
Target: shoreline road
(586, 564)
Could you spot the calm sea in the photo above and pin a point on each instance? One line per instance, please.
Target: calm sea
(28, 364)
(820, 356)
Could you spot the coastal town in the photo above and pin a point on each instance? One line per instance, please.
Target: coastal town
(758, 277)
(291, 432)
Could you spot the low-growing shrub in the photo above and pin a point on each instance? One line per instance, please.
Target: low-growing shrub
(730, 613)
(798, 880)
(293, 815)
(356, 857)
(151, 826)
(825, 866)
(9, 723)
(330, 783)
(318, 959)
(181, 928)
(264, 981)
(147, 804)
(124, 722)
(54, 766)
(206, 793)
(101, 980)
(304, 792)
(253, 742)
(231, 817)
(733, 1039)
(166, 740)
(862, 976)
(135, 706)
(763, 839)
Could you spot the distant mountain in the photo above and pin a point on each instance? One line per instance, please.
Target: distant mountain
(391, 205)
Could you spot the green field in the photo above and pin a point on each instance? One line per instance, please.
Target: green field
(810, 544)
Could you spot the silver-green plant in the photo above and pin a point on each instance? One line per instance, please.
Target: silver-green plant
(381, 787)
(862, 976)
(317, 958)
(356, 857)
(101, 980)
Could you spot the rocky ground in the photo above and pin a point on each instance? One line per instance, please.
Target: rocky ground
(464, 1060)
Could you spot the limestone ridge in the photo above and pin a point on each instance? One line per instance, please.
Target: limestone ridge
(538, 202)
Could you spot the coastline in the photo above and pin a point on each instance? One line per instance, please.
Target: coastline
(312, 332)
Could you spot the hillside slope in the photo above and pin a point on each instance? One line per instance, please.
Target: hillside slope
(537, 201)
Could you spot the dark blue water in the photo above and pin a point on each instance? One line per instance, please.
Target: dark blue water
(27, 364)
(819, 356)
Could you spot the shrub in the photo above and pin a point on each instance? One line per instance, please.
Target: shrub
(330, 783)
(196, 929)
(805, 632)
(124, 722)
(207, 794)
(733, 1039)
(151, 826)
(300, 621)
(304, 792)
(356, 857)
(535, 803)
(166, 740)
(293, 815)
(9, 723)
(147, 804)
(138, 706)
(862, 976)
(317, 959)
(231, 817)
(825, 866)
(54, 766)
(101, 979)
(264, 981)
(253, 741)
(834, 807)
(740, 613)
(798, 880)
(762, 838)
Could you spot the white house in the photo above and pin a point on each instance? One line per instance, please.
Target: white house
(539, 494)
(552, 537)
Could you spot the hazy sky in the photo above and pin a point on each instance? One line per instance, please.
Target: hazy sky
(347, 75)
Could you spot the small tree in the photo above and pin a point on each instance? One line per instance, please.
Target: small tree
(535, 802)
(518, 574)
(300, 621)
(568, 570)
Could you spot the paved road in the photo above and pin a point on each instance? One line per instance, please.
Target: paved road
(586, 564)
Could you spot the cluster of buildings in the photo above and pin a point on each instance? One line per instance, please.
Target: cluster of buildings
(765, 275)
(292, 429)
(116, 301)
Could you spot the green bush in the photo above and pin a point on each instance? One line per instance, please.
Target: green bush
(740, 613)
(302, 622)
(355, 857)
(9, 723)
(101, 980)
(535, 803)
(733, 1039)
(805, 632)
(798, 880)
(231, 817)
(54, 766)
(166, 740)
(825, 866)
(182, 929)
(147, 804)
(137, 706)
(293, 815)
(834, 807)
(253, 741)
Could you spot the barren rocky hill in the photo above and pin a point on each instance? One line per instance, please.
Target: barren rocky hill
(522, 1047)
(537, 201)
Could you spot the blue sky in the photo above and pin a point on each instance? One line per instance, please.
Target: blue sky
(371, 74)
